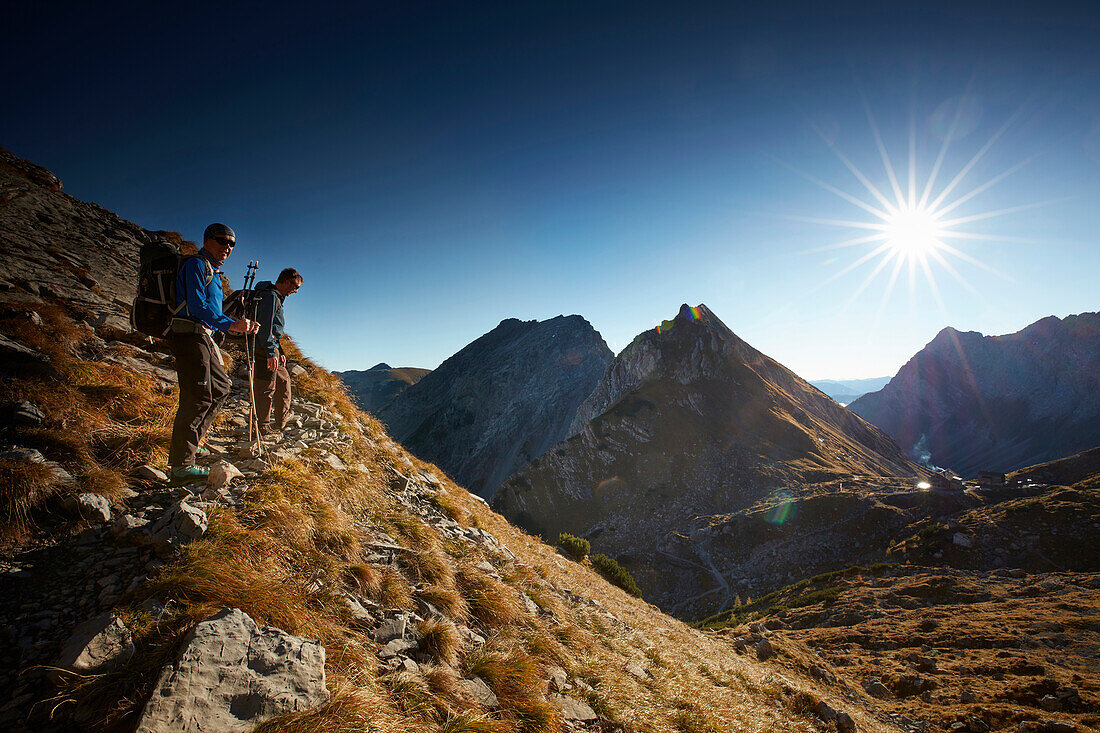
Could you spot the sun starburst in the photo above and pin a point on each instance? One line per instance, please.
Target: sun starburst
(909, 226)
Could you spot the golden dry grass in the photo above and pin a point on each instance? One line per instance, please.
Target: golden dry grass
(439, 639)
(491, 603)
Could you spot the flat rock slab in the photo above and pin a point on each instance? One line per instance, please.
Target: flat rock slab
(572, 708)
(97, 646)
(234, 674)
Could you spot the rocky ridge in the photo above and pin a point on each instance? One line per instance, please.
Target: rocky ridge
(970, 402)
(690, 433)
(501, 401)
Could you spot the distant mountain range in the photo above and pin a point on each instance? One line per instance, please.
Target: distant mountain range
(972, 402)
(501, 401)
(372, 389)
(687, 425)
(847, 390)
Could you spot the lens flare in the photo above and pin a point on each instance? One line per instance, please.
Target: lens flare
(783, 511)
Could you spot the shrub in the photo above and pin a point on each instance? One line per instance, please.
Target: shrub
(576, 547)
(615, 573)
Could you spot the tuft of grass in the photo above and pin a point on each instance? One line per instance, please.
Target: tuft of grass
(394, 591)
(24, 486)
(231, 566)
(428, 564)
(412, 694)
(574, 546)
(615, 573)
(103, 481)
(364, 579)
(448, 600)
(439, 639)
(448, 507)
(355, 710)
(474, 723)
(491, 603)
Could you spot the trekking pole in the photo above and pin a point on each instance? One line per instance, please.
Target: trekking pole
(249, 348)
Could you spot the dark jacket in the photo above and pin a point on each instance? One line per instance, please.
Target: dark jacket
(269, 312)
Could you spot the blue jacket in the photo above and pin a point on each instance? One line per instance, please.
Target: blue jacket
(202, 297)
(269, 312)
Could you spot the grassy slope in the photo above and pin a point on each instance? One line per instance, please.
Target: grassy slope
(298, 539)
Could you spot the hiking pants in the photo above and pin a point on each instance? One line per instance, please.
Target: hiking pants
(203, 389)
(272, 390)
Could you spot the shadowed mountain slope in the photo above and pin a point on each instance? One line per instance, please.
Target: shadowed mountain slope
(689, 421)
(971, 402)
(501, 401)
(372, 389)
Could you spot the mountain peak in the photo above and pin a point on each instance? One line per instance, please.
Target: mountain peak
(380, 365)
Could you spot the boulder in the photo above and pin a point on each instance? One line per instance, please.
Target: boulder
(97, 646)
(232, 675)
(221, 473)
(844, 723)
(180, 525)
(480, 692)
(132, 530)
(93, 507)
(149, 473)
(334, 460)
(636, 671)
(825, 711)
(572, 708)
(764, 650)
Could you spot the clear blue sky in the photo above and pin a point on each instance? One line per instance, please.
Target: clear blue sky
(433, 168)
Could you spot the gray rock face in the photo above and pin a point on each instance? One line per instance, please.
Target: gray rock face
(232, 675)
(572, 708)
(181, 524)
(97, 646)
(73, 246)
(374, 388)
(972, 402)
(501, 401)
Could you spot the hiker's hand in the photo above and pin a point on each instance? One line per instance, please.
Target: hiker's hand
(253, 326)
(241, 326)
(282, 360)
(272, 363)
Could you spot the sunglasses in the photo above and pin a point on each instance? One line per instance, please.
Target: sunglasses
(225, 241)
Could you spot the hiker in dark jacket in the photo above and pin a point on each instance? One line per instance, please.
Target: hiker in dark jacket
(272, 381)
(203, 383)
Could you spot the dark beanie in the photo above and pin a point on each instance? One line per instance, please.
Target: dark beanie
(217, 230)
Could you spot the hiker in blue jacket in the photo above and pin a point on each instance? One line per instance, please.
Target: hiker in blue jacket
(271, 382)
(203, 383)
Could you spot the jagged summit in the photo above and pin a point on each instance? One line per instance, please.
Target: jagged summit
(380, 365)
(502, 400)
(688, 421)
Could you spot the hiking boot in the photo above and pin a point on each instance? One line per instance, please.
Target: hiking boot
(200, 452)
(188, 474)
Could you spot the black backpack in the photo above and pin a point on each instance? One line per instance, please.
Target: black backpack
(155, 303)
